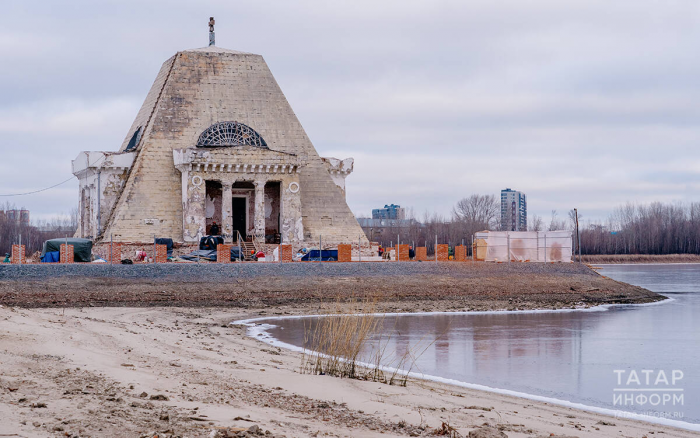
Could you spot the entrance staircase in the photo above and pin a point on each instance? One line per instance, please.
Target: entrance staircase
(247, 248)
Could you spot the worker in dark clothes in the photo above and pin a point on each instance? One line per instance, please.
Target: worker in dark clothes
(214, 230)
(411, 253)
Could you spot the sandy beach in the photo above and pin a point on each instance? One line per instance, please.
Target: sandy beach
(149, 351)
(188, 372)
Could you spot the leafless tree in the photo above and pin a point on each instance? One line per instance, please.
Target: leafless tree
(656, 228)
(555, 223)
(478, 211)
(536, 223)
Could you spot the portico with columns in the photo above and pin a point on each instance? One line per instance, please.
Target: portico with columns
(245, 189)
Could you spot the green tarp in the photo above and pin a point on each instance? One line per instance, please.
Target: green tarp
(82, 248)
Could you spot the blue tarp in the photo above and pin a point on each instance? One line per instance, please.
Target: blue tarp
(51, 257)
(329, 255)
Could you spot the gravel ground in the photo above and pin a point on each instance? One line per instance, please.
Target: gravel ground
(210, 272)
(302, 287)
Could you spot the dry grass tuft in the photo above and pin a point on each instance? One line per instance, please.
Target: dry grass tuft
(349, 342)
(641, 258)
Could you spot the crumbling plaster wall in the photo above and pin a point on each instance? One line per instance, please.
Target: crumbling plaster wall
(194, 204)
(272, 207)
(194, 212)
(214, 205)
(111, 181)
(339, 170)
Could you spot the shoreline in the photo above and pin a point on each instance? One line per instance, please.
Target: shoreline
(84, 371)
(260, 332)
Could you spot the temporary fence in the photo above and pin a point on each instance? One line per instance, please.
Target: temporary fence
(493, 246)
(523, 246)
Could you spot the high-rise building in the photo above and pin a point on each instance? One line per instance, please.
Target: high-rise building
(513, 210)
(20, 217)
(389, 212)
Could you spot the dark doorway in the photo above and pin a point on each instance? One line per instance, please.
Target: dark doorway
(238, 213)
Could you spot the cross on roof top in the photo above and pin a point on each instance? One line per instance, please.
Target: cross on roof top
(211, 31)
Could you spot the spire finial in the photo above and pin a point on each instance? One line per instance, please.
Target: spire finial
(211, 31)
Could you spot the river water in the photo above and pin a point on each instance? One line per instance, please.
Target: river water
(643, 359)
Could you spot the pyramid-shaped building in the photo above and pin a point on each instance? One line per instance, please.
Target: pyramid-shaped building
(215, 142)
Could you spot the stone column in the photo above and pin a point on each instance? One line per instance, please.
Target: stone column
(193, 212)
(259, 223)
(226, 213)
(290, 203)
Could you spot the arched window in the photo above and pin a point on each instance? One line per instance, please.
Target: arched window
(224, 134)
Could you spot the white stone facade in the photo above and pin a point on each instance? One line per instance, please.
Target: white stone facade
(101, 177)
(339, 170)
(229, 166)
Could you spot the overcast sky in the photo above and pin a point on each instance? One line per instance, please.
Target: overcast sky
(578, 103)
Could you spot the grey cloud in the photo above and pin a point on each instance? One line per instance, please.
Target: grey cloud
(577, 103)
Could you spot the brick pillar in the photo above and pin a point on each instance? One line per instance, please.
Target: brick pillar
(67, 254)
(285, 253)
(460, 253)
(161, 253)
(344, 252)
(223, 253)
(422, 253)
(116, 255)
(442, 253)
(402, 252)
(18, 255)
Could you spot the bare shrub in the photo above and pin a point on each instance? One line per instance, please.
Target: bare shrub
(350, 342)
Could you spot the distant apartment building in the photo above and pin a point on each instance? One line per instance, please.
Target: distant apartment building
(513, 210)
(17, 216)
(389, 212)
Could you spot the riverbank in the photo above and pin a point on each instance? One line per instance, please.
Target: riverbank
(148, 350)
(187, 372)
(639, 258)
(397, 287)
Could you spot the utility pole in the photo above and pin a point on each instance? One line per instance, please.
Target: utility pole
(578, 236)
(436, 249)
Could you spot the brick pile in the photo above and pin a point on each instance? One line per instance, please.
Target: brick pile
(442, 253)
(67, 253)
(422, 253)
(344, 252)
(460, 253)
(161, 254)
(116, 254)
(223, 253)
(18, 255)
(285, 253)
(402, 252)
